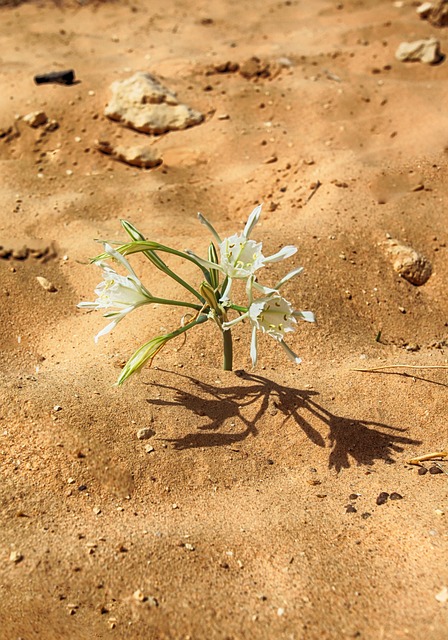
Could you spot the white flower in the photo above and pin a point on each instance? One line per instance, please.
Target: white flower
(273, 315)
(117, 292)
(240, 257)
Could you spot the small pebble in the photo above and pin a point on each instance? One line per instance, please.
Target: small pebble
(439, 512)
(16, 557)
(149, 448)
(189, 546)
(46, 284)
(435, 470)
(82, 487)
(382, 498)
(365, 515)
(350, 509)
(396, 496)
(96, 511)
(353, 496)
(422, 471)
(145, 433)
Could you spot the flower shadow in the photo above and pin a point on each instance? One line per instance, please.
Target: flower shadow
(362, 441)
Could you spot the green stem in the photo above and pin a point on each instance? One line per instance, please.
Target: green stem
(176, 303)
(238, 307)
(228, 350)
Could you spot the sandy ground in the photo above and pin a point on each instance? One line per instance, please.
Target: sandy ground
(236, 525)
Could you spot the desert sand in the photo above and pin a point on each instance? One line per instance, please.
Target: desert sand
(252, 509)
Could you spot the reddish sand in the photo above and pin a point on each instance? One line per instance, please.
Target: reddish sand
(236, 525)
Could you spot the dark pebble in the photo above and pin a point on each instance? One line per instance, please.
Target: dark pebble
(365, 515)
(353, 496)
(82, 487)
(60, 77)
(270, 461)
(434, 470)
(382, 498)
(396, 496)
(422, 471)
(350, 509)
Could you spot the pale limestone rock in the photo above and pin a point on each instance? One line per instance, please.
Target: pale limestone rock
(427, 51)
(424, 10)
(143, 156)
(408, 263)
(142, 103)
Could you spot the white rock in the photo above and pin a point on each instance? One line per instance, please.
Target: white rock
(144, 433)
(46, 284)
(442, 596)
(424, 10)
(143, 156)
(427, 51)
(15, 556)
(142, 103)
(35, 118)
(408, 263)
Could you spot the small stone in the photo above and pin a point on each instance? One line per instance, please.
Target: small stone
(350, 509)
(16, 557)
(353, 496)
(427, 51)
(408, 263)
(35, 119)
(422, 471)
(189, 547)
(46, 284)
(139, 595)
(424, 10)
(149, 448)
(82, 487)
(145, 433)
(442, 596)
(71, 481)
(396, 496)
(96, 511)
(382, 498)
(365, 515)
(57, 407)
(439, 512)
(280, 611)
(270, 160)
(434, 470)
(142, 156)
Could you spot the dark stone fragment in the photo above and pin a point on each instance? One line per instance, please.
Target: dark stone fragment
(60, 77)
(82, 487)
(350, 509)
(382, 498)
(270, 462)
(434, 470)
(396, 496)
(353, 496)
(422, 471)
(365, 515)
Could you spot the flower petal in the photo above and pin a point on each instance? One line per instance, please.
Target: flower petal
(284, 253)
(308, 316)
(253, 346)
(252, 221)
(291, 355)
(225, 295)
(291, 274)
(117, 255)
(231, 323)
